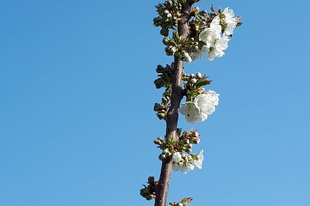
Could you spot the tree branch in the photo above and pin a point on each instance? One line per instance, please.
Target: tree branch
(173, 113)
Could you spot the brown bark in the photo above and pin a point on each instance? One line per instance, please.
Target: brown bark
(173, 113)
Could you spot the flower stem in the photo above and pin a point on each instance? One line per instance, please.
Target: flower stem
(173, 113)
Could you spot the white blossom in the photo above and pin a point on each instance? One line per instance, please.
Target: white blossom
(198, 162)
(218, 49)
(187, 57)
(193, 80)
(216, 42)
(176, 157)
(185, 162)
(190, 111)
(202, 106)
(199, 53)
(182, 162)
(211, 34)
(178, 163)
(230, 20)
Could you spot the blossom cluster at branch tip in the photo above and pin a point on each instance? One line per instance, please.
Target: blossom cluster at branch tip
(217, 35)
(201, 107)
(169, 13)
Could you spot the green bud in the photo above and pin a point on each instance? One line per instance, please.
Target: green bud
(164, 100)
(161, 116)
(160, 69)
(159, 83)
(151, 180)
(166, 41)
(164, 31)
(157, 21)
(157, 107)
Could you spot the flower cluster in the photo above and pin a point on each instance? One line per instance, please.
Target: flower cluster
(164, 80)
(193, 84)
(181, 151)
(186, 162)
(180, 47)
(201, 107)
(216, 35)
(169, 14)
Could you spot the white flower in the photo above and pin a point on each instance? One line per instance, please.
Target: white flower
(194, 80)
(179, 163)
(202, 106)
(187, 57)
(230, 20)
(185, 162)
(218, 49)
(211, 34)
(214, 42)
(207, 102)
(198, 162)
(190, 111)
(176, 157)
(199, 54)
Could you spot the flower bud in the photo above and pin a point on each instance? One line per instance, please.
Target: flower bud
(195, 140)
(159, 141)
(160, 69)
(196, 134)
(161, 115)
(194, 80)
(180, 204)
(164, 31)
(166, 12)
(162, 156)
(198, 75)
(159, 83)
(166, 41)
(157, 107)
(164, 100)
(173, 49)
(151, 180)
(157, 21)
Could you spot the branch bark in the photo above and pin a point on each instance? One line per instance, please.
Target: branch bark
(173, 113)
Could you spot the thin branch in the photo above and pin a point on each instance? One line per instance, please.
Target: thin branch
(173, 113)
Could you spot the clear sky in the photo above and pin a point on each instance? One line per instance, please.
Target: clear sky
(76, 98)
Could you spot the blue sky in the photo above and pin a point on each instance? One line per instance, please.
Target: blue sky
(76, 119)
